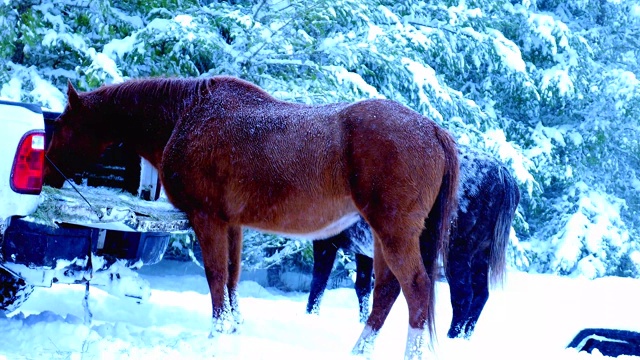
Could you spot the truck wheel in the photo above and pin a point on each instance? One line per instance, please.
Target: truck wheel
(13, 291)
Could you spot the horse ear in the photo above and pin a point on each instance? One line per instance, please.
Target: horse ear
(72, 94)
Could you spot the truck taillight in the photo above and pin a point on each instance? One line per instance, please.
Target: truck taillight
(26, 174)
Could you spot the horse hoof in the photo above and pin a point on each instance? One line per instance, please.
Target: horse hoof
(363, 351)
(237, 318)
(415, 344)
(458, 332)
(226, 326)
(215, 334)
(364, 345)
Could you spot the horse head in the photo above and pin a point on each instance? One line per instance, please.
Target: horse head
(79, 138)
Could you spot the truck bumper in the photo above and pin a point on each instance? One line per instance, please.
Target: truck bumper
(65, 249)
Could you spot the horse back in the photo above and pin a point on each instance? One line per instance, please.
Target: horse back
(293, 168)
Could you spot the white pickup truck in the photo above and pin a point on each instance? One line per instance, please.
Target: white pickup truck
(77, 233)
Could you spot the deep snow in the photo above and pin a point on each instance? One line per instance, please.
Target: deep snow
(531, 317)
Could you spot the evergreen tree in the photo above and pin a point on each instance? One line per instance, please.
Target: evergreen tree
(550, 87)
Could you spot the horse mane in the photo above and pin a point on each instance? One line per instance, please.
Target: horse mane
(168, 88)
(181, 89)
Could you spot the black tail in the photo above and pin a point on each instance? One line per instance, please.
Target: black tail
(497, 259)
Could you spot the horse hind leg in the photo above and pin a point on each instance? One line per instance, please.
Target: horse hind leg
(213, 236)
(403, 257)
(385, 292)
(398, 266)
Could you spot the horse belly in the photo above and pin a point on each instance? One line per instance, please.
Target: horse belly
(327, 231)
(312, 220)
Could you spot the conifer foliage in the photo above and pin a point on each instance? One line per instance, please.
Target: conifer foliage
(551, 87)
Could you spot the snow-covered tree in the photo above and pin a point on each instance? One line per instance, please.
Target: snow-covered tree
(550, 87)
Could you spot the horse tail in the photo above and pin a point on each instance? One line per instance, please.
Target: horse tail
(447, 201)
(502, 229)
(434, 240)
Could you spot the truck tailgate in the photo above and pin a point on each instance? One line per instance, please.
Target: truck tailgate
(111, 209)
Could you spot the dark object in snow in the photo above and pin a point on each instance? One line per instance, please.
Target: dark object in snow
(231, 155)
(608, 342)
(13, 292)
(488, 197)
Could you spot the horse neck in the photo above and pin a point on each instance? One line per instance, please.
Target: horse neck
(147, 115)
(149, 109)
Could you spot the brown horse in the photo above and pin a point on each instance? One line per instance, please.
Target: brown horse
(231, 155)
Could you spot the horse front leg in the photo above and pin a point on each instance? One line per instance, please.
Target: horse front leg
(417, 288)
(364, 270)
(324, 255)
(458, 274)
(213, 234)
(235, 262)
(480, 286)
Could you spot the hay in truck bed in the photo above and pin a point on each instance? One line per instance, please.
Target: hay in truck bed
(110, 209)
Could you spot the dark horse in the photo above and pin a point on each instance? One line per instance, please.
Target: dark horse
(488, 197)
(231, 155)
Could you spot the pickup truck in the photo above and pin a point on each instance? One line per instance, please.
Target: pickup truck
(95, 229)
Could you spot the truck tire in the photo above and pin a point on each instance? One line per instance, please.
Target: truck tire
(13, 291)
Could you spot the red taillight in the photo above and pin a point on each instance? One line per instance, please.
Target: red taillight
(26, 175)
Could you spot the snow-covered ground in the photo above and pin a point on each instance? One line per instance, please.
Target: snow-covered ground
(531, 317)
